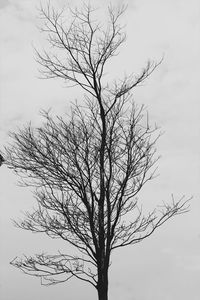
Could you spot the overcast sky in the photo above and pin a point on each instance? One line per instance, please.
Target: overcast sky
(167, 265)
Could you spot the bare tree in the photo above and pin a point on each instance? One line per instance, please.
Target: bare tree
(88, 166)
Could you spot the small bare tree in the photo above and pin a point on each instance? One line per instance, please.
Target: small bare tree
(87, 167)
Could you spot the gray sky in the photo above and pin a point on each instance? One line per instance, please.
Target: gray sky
(167, 265)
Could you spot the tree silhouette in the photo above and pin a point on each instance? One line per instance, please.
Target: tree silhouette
(87, 167)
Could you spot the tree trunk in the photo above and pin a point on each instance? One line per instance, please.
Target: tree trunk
(103, 294)
(102, 286)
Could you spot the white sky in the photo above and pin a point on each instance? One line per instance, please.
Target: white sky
(167, 265)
